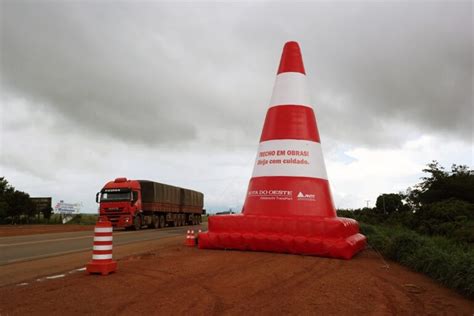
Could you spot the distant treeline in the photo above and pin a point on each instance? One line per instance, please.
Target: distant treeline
(441, 204)
(429, 228)
(16, 206)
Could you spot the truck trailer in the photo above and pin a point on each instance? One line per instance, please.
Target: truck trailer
(133, 204)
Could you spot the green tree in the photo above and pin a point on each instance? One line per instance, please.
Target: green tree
(444, 202)
(14, 204)
(19, 203)
(47, 212)
(442, 185)
(6, 194)
(389, 203)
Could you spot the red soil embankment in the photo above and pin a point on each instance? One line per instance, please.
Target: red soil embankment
(173, 279)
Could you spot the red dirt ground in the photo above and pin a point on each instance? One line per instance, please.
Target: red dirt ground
(173, 279)
(20, 230)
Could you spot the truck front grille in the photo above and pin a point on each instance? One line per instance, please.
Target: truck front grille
(113, 214)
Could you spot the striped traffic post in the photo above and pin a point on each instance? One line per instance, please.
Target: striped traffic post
(102, 250)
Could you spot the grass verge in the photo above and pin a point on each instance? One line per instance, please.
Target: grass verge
(444, 260)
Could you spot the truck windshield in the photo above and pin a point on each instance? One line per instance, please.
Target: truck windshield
(115, 196)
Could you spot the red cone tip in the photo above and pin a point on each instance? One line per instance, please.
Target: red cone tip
(291, 59)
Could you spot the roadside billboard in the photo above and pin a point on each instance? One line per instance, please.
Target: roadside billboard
(41, 203)
(67, 208)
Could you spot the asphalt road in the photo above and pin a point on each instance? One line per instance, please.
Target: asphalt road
(31, 247)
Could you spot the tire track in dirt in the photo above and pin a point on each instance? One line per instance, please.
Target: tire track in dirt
(394, 292)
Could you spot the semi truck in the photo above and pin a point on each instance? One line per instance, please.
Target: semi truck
(134, 204)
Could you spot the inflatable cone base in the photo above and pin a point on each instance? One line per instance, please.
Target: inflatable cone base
(288, 207)
(326, 237)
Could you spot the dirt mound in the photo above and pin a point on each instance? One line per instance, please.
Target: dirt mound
(180, 280)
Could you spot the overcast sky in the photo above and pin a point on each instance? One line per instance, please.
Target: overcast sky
(177, 92)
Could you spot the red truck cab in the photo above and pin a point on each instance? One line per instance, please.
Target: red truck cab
(120, 202)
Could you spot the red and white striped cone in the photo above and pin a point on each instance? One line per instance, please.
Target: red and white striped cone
(187, 237)
(190, 239)
(102, 250)
(289, 177)
(288, 207)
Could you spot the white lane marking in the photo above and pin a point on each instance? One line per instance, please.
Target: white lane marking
(52, 277)
(44, 241)
(48, 255)
(118, 233)
(77, 270)
(22, 284)
(53, 240)
(167, 230)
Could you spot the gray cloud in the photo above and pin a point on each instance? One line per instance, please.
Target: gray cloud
(161, 73)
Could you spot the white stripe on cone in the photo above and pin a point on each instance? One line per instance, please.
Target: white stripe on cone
(101, 257)
(290, 158)
(103, 229)
(290, 89)
(102, 238)
(102, 247)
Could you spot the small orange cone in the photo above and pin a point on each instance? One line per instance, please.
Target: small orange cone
(190, 242)
(186, 241)
(102, 250)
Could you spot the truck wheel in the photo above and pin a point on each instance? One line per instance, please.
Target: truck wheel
(156, 221)
(162, 222)
(137, 223)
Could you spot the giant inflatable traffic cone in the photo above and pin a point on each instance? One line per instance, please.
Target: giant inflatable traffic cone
(288, 207)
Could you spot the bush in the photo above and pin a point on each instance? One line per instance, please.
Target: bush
(84, 219)
(452, 218)
(442, 259)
